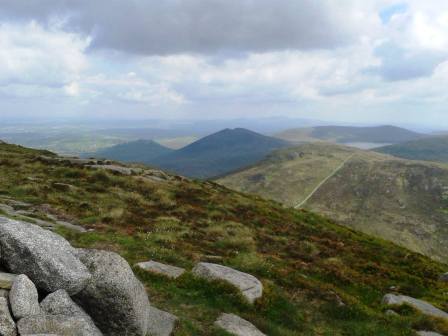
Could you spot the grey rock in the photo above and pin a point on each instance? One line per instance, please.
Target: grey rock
(160, 323)
(7, 325)
(114, 298)
(444, 277)
(60, 303)
(428, 333)
(71, 226)
(117, 169)
(6, 280)
(45, 257)
(235, 325)
(169, 271)
(24, 298)
(61, 325)
(251, 288)
(420, 305)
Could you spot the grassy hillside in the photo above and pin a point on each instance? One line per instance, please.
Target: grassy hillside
(319, 278)
(347, 134)
(143, 151)
(428, 149)
(219, 153)
(403, 201)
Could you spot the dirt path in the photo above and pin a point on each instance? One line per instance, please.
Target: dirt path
(334, 172)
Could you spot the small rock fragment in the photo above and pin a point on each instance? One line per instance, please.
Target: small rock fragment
(169, 271)
(24, 298)
(420, 305)
(7, 325)
(251, 288)
(160, 323)
(235, 325)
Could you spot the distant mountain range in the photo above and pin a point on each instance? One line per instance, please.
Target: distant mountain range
(348, 134)
(400, 200)
(427, 149)
(136, 151)
(211, 156)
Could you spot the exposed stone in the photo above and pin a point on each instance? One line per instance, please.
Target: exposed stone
(45, 257)
(7, 325)
(444, 277)
(160, 323)
(61, 325)
(117, 169)
(24, 298)
(428, 333)
(235, 325)
(60, 303)
(71, 226)
(250, 287)
(163, 269)
(420, 305)
(6, 280)
(114, 298)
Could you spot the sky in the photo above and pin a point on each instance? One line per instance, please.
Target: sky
(358, 61)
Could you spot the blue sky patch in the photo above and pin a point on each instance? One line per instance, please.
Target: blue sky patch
(387, 12)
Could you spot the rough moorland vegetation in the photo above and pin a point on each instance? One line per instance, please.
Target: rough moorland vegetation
(319, 278)
(399, 200)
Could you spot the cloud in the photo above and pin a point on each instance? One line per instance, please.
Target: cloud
(202, 26)
(35, 57)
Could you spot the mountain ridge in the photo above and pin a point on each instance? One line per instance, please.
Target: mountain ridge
(350, 134)
(392, 198)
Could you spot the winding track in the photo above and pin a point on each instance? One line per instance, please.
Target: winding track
(334, 172)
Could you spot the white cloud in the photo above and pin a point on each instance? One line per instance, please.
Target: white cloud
(383, 68)
(32, 57)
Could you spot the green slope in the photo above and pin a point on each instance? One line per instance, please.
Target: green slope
(399, 200)
(428, 149)
(307, 263)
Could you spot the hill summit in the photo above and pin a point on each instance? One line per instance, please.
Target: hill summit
(135, 151)
(220, 153)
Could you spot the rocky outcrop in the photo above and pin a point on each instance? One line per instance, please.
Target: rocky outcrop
(95, 293)
(235, 325)
(428, 333)
(46, 258)
(7, 325)
(114, 297)
(169, 271)
(60, 325)
(24, 298)
(251, 288)
(420, 305)
(160, 323)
